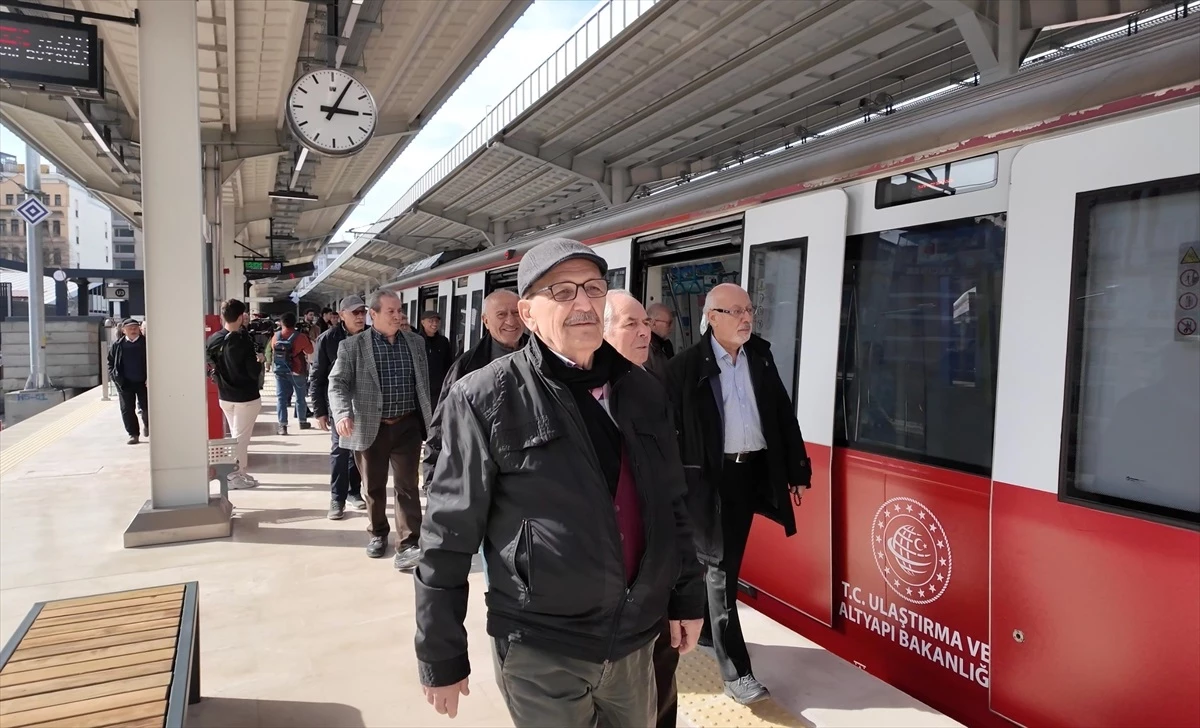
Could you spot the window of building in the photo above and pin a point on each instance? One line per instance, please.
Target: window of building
(8, 199)
(123, 248)
(3, 227)
(58, 257)
(777, 292)
(58, 200)
(77, 238)
(920, 332)
(16, 226)
(1133, 376)
(125, 264)
(57, 227)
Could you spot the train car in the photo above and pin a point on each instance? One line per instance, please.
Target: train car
(987, 320)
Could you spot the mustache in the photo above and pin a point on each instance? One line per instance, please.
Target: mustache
(582, 317)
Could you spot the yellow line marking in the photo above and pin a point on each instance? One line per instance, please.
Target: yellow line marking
(15, 455)
(703, 702)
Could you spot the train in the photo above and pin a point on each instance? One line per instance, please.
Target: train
(985, 312)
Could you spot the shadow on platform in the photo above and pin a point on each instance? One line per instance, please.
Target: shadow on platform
(248, 713)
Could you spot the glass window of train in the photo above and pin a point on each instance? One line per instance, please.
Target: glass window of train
(412, 315)
(777, 289)
(476, 316)
(1132, 411)
(616, 279)
(920, 328)
(950, 178)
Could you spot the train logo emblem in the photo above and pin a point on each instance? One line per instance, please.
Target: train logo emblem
(911, 550)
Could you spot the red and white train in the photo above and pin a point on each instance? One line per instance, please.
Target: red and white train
(991, 341)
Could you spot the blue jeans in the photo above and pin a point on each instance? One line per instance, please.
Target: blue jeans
(343, 471)
(287, 384)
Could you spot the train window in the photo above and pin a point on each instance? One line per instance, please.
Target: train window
(476, 316)
(942, 180)
(616, 279)
(777, 289)
(1132, 411)
(919, 336)
(412, 314)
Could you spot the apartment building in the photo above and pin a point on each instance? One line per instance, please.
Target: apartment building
(77, 234)
(127, 244)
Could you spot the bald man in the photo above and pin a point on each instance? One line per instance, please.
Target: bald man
(743, 453)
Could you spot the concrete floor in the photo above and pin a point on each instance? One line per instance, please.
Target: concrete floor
(298, 627)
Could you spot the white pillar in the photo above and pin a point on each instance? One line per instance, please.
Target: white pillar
(232, 286)
(173, 202)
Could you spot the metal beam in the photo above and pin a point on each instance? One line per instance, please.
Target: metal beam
(997, 47)
(265, 209)
(474, 222)
(590, 172)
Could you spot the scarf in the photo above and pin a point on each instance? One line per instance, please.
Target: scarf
(602, 431)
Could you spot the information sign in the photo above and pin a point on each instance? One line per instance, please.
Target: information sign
(1187, 293)
(43, 52)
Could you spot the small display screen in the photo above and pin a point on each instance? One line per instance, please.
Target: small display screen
(262, 266)
(52, 52)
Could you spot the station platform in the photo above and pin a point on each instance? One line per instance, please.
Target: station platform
(298, 627)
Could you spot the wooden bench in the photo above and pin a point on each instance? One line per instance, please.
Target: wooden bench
(128, 658)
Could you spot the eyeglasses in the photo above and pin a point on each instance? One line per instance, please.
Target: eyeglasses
(739, 311)
(567, 291)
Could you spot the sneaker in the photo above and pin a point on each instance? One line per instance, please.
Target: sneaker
(305, 425)
(376, 546)
(133, 440)
(746, 690)
(280, 429)
(239, 481)
(406, 558)
(356, 502)
(337, 510)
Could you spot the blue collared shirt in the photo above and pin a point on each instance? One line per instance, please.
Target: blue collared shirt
(397, 374)
(743, 426)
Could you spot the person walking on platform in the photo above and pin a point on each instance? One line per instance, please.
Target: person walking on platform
(743, 454)
(561, 460)
(344, 480)
(661, 348)
(380, 404)
(127, 370)
(236, 367)
(437, 349)
(289, 349)
(627, 329)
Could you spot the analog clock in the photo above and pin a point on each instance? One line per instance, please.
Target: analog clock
(330, 112)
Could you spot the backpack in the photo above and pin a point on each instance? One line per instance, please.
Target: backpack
(283, 353)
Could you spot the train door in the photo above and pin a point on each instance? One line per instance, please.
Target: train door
(474, 289)
(427, 299)
(456, 326)
(498, 280)
(679, 267)
(792, 263)
(1095, 506)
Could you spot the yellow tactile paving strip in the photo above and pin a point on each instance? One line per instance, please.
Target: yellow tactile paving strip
(703, 703)
(12, 456)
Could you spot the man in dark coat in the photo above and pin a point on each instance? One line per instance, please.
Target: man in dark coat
(127, 369)
(742, 454)
(438, 351)
(345, 483)
(503, 334)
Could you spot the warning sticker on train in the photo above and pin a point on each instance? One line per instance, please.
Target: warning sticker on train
(1187, 293)
(911, 550)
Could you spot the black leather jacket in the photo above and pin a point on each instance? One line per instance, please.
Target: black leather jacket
(515, 469)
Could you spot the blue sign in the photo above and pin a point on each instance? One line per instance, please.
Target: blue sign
(33, 211)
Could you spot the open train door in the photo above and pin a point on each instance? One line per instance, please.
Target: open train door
(794, 258)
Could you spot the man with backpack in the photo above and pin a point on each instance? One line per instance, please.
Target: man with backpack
(234, 366)
(289, 349)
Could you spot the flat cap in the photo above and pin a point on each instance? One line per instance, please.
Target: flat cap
(430, 314)
(544, 256)
(130, 321)
(351, 303)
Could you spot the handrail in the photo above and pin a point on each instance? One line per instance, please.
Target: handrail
(608, 21)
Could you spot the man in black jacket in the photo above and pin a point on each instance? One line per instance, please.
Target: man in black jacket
(237, 368)
(345, 483)
(562, 461)
(437, 349)
(127, 369)
(742, 454)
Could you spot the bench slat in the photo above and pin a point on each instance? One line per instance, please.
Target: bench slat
(62, 698)
(77, 714)
(87, 634)
(118, 604)
(56, 668)
(113, 597)
(146, 715)
(68, 682)
(40, 630)
(176, 605)
(28, 653)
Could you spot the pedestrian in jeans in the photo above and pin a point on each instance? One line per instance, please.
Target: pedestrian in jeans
(235, 368)
(127, 369)
(289, 349)
(344, 479)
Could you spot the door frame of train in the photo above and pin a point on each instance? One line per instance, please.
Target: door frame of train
(819, 220)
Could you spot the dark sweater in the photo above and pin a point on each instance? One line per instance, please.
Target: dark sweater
(236, 363)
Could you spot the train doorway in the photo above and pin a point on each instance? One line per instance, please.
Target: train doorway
(679, 268)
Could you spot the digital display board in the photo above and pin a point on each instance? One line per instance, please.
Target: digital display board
(45, 52)
(262, 267)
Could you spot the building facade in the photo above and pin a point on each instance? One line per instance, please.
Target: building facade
(127, 244)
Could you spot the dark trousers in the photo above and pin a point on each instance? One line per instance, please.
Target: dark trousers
(134, 397)
(737, 513)
(343, 471)
(541, 688)
(666, 659)
(397, 447)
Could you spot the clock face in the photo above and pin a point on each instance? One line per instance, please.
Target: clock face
(330, 112)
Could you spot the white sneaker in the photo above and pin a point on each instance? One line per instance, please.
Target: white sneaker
(239, 481)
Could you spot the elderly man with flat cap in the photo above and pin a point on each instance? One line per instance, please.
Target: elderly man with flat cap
(127, 370)
(561, 459)
(438, 350)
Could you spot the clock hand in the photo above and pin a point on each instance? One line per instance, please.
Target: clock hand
(336, 110)
(337, 104)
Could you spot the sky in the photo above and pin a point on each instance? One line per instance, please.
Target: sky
(538, 33)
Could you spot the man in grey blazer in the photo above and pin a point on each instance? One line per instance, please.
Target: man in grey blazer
(380, 404)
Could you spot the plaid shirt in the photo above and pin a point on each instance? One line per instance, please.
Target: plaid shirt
(397, 375)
